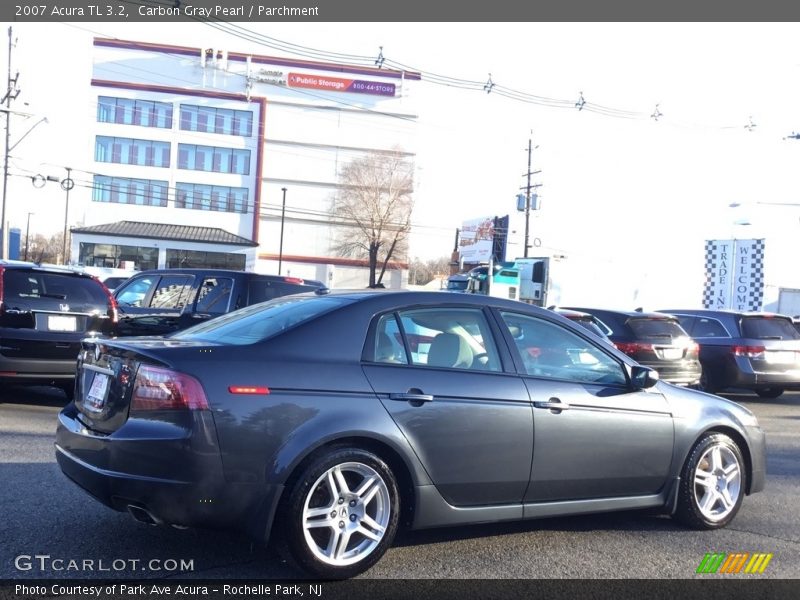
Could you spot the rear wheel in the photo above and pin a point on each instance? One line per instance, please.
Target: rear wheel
(769, 392)
(707, 383)
(342, 513)
(712, 483)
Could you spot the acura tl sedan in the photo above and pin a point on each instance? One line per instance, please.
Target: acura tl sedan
(329, 420)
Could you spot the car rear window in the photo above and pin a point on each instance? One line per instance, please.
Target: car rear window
(658, 329)
(769, 328)
(27, 285)
(588, 323)
(260, 322)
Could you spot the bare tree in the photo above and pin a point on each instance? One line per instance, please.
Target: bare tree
(43, 249)
(374, 204)
(423, 272)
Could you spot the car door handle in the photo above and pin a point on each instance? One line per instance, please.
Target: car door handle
(552, 404)
(412, 395)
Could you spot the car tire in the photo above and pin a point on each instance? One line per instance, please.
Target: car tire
(713, 483)
(770, 393)
(707, 383)
(341, 514)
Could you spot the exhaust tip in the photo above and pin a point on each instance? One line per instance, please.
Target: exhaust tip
(143, 515)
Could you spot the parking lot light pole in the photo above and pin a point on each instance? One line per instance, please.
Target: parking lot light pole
(283, 215)
(28, 234)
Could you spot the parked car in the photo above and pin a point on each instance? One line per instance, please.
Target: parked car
(314, 416)
(44, 313)
(655, 340)
(112, 282)
(750, 350)
(585, 320)
(160, 301)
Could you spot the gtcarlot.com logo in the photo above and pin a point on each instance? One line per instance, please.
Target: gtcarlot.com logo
(736, 562)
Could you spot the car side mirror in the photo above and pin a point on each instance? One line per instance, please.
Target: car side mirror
(643, 377)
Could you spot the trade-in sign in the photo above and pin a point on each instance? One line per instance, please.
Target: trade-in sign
(338, 84)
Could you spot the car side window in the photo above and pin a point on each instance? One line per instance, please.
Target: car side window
(134, 293)
(172, 291)
(388, 341)
(452, 338)
(214, 295)
(552, 351)
(704, 327)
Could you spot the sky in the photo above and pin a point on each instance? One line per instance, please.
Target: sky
(616, 184)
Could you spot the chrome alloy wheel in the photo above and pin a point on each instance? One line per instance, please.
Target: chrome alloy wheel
(718, 482)
(346, 513)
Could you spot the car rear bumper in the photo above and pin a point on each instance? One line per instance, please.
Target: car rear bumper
(31, 369)
(175, 480)
(760, 380)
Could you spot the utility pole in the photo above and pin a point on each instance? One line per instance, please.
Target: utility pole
(528, 189)
(283, 216)
(11, 93)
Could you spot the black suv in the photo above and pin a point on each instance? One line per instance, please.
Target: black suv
(750, 350)
(161, 301)
(654, 340)
(44, 313)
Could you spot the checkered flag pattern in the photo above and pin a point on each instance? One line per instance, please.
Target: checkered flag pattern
(710, 268)
(756, 293)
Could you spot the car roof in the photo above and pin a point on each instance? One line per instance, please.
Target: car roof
(625, 313)
(228, 272)
(721, 311)
(45, 268)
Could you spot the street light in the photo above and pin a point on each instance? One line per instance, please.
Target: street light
(283, 214)
(28, 234)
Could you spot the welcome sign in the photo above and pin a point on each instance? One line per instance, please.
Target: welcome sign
(734, 274)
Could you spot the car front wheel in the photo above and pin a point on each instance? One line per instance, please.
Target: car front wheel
(342, 513)
(712, 483)
(769, 393)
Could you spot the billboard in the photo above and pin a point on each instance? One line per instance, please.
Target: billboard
(734, 274)
(476, 239)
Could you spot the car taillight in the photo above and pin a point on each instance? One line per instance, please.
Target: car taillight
(296, 280)
(749, 351)
(157, 388)
(693, 349)
(633, 347)
(112, 302)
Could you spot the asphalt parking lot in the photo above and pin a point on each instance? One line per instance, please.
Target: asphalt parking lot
(46, 515)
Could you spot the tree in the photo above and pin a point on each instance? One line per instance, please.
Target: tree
(422, 272)
(43, 249)
(374, 203)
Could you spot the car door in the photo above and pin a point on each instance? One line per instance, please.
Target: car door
(439, 374)
(594, 435)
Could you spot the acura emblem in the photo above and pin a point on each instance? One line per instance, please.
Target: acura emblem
(64, 307)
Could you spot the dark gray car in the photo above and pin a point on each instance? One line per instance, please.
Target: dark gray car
(333, 419)
(750, 350)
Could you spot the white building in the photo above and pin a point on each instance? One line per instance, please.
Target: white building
(208, 157)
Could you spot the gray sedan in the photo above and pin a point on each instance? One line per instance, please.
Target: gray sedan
(332, 419)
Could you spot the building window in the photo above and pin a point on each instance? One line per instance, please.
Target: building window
(126, 111)
(116, 256)
(124, 190)
(217, 160)
(211, 197)
(127, 151)
(225, 121)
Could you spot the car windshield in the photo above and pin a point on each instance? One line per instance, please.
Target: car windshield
(656, 328)
(261, 321)
(769, 328)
